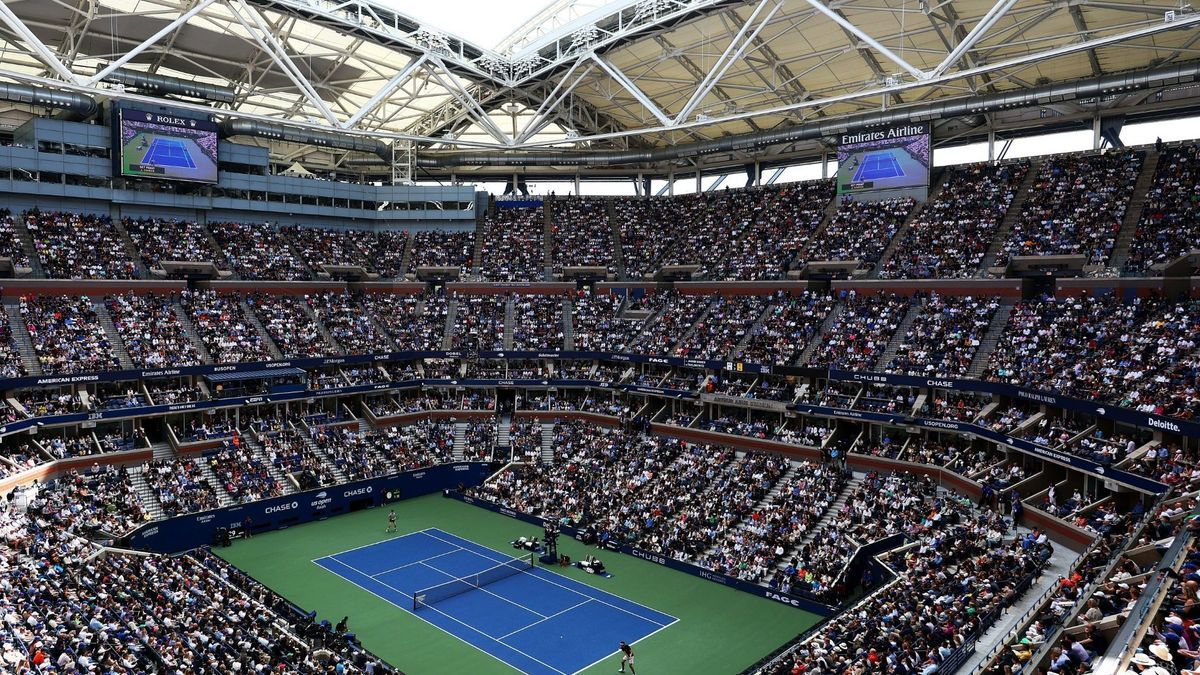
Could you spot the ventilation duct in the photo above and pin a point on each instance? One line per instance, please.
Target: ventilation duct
(162, 84)
(78, 105)
(325, 139)
(969, 106)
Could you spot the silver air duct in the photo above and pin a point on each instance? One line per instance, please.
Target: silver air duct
(162, 84)
(79, 105)
(327, 139)
(974, 105)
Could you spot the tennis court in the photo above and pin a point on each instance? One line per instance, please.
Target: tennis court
(529, 617)
(878, 166)
(169, 152)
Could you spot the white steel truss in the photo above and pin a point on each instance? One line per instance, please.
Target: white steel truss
(580, 77)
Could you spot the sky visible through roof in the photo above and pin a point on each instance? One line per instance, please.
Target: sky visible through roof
(483, 22)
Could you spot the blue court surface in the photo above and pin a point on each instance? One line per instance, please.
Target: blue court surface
(536, 621)
(169, 152)
(878, 166)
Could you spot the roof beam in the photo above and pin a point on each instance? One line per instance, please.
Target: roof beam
(150, 41)
(474, 110)
(847, 25)
(385, 91)
(633, 89)
(37, 47)
(733, 53)
(985, 24)
(1081, 26)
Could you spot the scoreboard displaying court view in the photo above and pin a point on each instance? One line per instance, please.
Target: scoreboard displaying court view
(165, 145)
(888, 158)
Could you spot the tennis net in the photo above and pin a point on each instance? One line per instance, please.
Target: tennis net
(427, 596)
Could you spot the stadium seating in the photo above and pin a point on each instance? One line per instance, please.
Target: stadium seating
(513, 247)
(1169, 226)
(79, 246)
(258, 251)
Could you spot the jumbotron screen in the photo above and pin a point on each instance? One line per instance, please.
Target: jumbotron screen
(165, 145)
(884, 159)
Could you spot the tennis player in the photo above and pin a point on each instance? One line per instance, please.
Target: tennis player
(391, 522)
(626, 657)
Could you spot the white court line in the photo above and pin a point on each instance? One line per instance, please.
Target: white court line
(573, 590)
(618, 651)
(480, 588)
(544, 618)
(466, 625)
(375, 543)
(419, 562)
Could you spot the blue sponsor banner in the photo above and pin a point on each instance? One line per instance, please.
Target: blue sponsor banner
(792, 600)
(1099, 409)
(183, 533)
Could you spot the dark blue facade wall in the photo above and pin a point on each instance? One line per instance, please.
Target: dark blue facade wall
(182, 533)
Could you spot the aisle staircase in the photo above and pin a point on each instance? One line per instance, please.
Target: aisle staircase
(325, 457)
(938, 182)
(256, 449)
(146, 494)
(614, 222)
(29, 247)
(20, 337)
(830, 514)
(262, 330)
(548, 239)
(460, 441)
(547, 443)
(991, 338)
(1011, 217)
(448, 329)
(910, 317)
(329, 339)
(186, 322)
(1133, 211)
(819, 338)
(131, 249)
(503, 437)
(510, 312)
(114, 338)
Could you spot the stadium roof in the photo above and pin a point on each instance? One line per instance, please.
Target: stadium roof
(590, 75)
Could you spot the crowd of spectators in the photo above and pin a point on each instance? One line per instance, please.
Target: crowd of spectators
(67, 335)
(596, 324)
(153, 335)
(10, 242)
(537, 322)
(289, 326)
(319, 246)
(513, 246)
(223, 327)
(944, 337)
(753, 550)
(1170, 219)
(11, 363)
(859, 230)
(583, 235)
(860, 334)
(244, 475)
(258, 251)
(181, 486)
(781, 221)
(437, 248)
(951, 235)
(479, 322)
(288, 452)
(414, 322)
(380, 452)
(160, 239)
(722, 329)
(79, 246)
(791, 323)
(354, 330)
(1075, 207)
(672, 316)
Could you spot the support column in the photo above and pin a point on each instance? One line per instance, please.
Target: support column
(697, 180)
(671, 183)
(991, 145)
(757, 174)
(577, 184)
(1097, 134)
(824, 164)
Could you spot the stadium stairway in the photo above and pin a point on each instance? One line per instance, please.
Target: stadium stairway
(145, 493)
(503, 435)
(406, 259)
(1055, 569)
(708, 308)
(190, 330)
(938, 181)
(162, 450)
(1011, 216)
(220, 258)
(259, 452)
(448, 329)
(547, 443)
(610, 207)
(548, 239)
(130, 248)
(1133, 213)
(114, 337)
(830, 514)
(20, 335)
(262, 330)
(308, 310)
(29, 247)
(991, 338)
(893, 346)
(817, 339)
(568, 325)
(480, 233)
(325, 457)
(752, 331)
(770, 498)
(223, 497)
(510, 319)
(460, 441)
